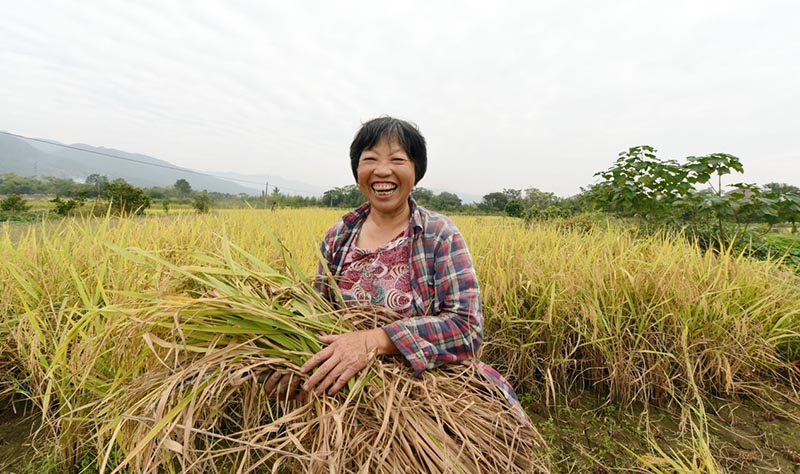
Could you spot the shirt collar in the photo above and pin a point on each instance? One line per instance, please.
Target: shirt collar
(416, 217)
(356, 217)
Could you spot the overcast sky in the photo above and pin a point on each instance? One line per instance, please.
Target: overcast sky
(508, 94)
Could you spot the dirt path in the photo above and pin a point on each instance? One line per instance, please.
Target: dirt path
(16, 451)
(586, 435)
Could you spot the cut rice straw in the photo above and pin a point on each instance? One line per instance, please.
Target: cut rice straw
(199, 405)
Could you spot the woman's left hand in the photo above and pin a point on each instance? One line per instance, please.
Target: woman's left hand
(345, 356)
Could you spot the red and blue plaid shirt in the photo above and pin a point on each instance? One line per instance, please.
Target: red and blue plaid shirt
(447, 325)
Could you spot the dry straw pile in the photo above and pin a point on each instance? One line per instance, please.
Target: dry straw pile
(198, 404)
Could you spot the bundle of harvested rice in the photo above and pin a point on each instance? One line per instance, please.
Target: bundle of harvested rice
(200, 405)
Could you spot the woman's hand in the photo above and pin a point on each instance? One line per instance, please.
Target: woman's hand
(345, 356)
(284, 386)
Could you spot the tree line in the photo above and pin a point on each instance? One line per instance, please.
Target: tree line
(117, 196)
(70, 195)
(638, 184)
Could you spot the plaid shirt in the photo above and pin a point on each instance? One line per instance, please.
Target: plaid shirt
(448, 326)
(448, 322)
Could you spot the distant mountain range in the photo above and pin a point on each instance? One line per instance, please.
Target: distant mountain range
(35, 158)
(28, 158)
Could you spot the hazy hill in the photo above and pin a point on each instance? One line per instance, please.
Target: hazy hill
(33, 158)
(18, 157)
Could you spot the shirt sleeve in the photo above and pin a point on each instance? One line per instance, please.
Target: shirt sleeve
(321, 280)
(455, 332)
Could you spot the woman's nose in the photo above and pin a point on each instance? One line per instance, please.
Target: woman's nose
(383, 168)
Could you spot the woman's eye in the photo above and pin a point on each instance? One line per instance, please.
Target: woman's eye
(367, 158)
(398, 160)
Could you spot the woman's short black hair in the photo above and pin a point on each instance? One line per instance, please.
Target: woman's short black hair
(407, 135)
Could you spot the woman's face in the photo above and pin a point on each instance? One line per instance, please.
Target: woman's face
(386, 176)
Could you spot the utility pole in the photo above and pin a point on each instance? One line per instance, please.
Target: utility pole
(266, 193)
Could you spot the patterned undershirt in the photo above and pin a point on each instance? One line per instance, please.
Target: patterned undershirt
(379, 278)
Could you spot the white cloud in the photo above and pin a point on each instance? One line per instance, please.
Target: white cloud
(508, 94)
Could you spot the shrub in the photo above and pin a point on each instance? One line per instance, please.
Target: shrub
(14, 203)
(551, 212)
(777, 246)
(201, 202)
(125, 198)
(514, 208)
(64, 207)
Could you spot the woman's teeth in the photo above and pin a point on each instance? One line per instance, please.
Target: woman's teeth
(383, 188)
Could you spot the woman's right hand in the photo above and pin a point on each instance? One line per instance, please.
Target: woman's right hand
(283, 386)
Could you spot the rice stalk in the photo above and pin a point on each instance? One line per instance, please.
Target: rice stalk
(593, 307)
(607, 309)
(199, 405)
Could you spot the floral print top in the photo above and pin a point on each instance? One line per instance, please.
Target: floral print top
(379, 278)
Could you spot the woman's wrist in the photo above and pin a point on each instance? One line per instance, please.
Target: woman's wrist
(379, 341)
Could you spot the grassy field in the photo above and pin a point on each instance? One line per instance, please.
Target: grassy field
(629, 353)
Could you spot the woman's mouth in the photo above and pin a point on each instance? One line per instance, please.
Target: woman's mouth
(383, 189)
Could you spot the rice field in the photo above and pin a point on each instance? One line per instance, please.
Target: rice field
(140, 344)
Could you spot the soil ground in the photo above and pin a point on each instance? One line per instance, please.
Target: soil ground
(584, 434)
(16, 428)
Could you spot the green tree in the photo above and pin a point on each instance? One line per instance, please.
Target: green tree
(65, 207)
(98, 184)
(786, 200)
(534, 198)
(159, 192)
(497, 202)
(494, 202)
(514, 208)
(125, 198)
(183, 187)
(788, 206)
(781, 188)
(640, 184)
(448, 202)
(443, 201)
(749, 205)
(201, 202)
(344, 196)
(701, 170)
(551, 212)
(424, 197)
(13, 184)
(14, 204)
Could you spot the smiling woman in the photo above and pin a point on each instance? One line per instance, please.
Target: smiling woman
(391, 254)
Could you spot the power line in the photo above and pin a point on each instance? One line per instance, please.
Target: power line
(116, 157)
